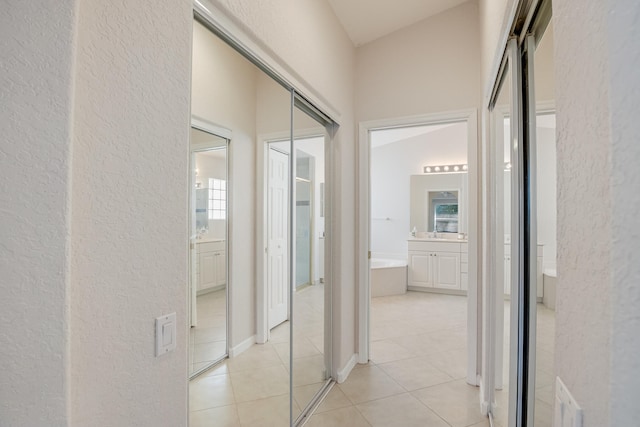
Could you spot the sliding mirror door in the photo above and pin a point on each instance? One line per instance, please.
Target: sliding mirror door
(504, 336)
(279, 303)
(208, 249)
(311, 286)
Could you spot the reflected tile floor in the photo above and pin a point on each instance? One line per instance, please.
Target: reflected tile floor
(416, 376)
(252, 389)
(207, 342)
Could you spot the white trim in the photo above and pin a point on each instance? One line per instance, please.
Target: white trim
(242, 347)
(210, 127)
(364, 230)
(343, 373)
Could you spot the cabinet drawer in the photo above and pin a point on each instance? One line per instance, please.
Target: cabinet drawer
(434, 246)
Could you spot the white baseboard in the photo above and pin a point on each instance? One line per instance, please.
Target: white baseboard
(242, 347)
(344, 372)
(484, 403)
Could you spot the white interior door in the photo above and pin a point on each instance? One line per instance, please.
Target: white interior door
(277, 237)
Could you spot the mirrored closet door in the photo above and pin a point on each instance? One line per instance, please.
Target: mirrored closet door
(208, 247)
(275, 362)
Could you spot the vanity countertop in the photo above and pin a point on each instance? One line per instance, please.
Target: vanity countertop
(436, 239)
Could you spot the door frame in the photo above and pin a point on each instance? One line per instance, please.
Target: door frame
(226, 134)
(363, 210)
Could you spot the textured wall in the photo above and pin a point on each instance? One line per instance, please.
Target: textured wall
(584, 310)
(432, 66)
(36, 96)
(129, 239)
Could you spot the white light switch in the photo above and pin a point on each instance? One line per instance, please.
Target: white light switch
(165, 334)
(568, 412)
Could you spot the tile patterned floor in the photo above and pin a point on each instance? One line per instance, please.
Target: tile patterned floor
(208, 339)
(416, 376)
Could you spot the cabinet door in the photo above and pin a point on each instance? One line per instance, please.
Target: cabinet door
(446, 270)
(420, 269)
(221, 267)
(207, 266)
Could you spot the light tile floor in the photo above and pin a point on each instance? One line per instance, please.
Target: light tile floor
(417, 372)
(252, 389)
(207, 341)
(416, 376)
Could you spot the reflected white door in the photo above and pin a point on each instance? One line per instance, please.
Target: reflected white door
(277, 229)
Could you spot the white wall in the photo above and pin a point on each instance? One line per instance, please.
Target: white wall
(598, 89)
(430, 67)
(129, 240)
(546, 182)
(35, 162)
(391, 168)
(83, 131)
(492, 26)
(223, 89)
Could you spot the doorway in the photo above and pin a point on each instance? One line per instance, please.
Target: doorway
(460, 257)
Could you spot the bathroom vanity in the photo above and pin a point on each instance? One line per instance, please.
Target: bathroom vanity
(438, 265)
(211, 265)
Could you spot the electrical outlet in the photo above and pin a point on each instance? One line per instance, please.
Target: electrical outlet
(568, 413)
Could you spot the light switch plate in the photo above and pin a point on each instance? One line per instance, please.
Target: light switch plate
(165, 334)
(568, 413)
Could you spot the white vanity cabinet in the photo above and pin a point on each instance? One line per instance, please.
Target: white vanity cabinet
(435, 265)
(211, 265)
(507, 271)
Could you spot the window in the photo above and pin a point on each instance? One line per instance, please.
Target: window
(217, 198)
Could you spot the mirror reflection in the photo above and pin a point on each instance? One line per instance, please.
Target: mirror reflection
(438, 203)
(208, 250)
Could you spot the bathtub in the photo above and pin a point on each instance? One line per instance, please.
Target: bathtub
(388, 277)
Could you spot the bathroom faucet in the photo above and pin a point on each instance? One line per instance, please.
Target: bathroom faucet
(435, 232)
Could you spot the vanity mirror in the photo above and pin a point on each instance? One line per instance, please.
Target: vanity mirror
(438, 203)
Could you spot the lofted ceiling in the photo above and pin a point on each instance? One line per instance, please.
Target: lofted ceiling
(367, 20)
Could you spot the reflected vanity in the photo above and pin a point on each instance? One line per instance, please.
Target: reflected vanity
(208, 248)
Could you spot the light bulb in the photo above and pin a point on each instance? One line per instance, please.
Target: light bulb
(427, 169)
(465, 167)
(437, 168)
(446, 168)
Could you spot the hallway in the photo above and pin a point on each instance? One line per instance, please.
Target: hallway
(417, 373)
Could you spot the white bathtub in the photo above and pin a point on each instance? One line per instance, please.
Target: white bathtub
(388, 277)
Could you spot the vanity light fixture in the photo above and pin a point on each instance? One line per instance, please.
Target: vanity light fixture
(445, 169)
